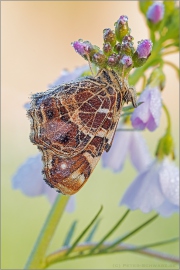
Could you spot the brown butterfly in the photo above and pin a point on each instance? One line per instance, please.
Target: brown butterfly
(72, 124)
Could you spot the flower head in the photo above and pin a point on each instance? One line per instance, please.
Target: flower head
(127, 142)
(144, 48)
(147, 115)
(29, 180)
(155, 188)
(155, 12)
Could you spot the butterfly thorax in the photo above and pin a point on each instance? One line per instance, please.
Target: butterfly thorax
(120, 84)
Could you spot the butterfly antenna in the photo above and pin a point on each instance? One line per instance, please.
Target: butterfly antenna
(90, 66)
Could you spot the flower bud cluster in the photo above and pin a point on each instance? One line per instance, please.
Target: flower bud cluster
(118, 51)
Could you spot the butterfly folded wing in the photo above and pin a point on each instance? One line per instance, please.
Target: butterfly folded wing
(67, 118)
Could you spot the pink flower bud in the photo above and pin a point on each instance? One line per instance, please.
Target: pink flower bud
(144, 48)
(155, 12)
(126, 61)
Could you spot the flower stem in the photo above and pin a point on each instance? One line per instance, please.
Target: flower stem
(58, 256)
(168, 119)
(173, 66)
(170, 52)
(36, 258)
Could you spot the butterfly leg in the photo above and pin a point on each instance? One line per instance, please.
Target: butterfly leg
(90, 66)
(130, 95)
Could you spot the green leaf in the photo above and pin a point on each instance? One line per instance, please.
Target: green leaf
(168, 241)
(83, 232)
(131, 233)
(110, 232)
(92, 232)
(70, 233)
(144, 5)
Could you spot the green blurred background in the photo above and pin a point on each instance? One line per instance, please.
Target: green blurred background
(36, 38)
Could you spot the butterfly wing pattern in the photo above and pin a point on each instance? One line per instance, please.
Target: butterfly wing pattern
(72, 124)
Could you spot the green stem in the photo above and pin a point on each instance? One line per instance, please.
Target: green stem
(173, 66)
(152, 36)
(168, 118)
(152, 61)
(169, 52)
(134, 78)
(83, 232)
(131, 233)
(144, 82)
(36, 258)
(58, 256)
(110, 232)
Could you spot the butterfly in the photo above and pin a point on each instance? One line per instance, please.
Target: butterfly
(72, 124)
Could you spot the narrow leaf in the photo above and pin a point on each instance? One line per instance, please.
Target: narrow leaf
(168, 241)
(92, 232)
(70, 233)
(110, 232)
(83, 232)
(131, 233)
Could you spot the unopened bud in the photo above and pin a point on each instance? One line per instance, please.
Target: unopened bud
(113, 60)
(109, 36)
(127, 48)
(99, 59)
(107, 49)
(121, 28)
(126, 61)
(142, 53)
(157, 78)
(155, 12)
(128, 38)
(117, 48)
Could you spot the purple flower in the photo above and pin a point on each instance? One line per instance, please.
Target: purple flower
(144, 48)
(79, 47)
(82, 47)
(155, 12)
(126, 61)
(156, 188)
(126, 142)
(29, 180)
(67, 76)
(147, 115)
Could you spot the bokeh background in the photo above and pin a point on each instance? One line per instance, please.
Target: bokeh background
(36, 47)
